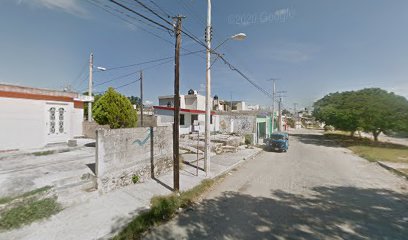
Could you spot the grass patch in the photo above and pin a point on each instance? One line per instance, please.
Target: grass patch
(162, 209)
(374, 154)
(5, 200)
(371, 150)
(28, 212)
(44, 153)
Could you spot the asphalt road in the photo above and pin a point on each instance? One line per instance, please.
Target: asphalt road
(315, 191)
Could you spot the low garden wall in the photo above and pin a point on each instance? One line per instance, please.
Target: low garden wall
(124, 155)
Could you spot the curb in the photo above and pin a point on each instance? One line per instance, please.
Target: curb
(238, 163)
(39, 151)
(398, 172)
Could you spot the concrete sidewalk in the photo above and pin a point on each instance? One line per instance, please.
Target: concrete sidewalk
(57, 165)
(103, 216)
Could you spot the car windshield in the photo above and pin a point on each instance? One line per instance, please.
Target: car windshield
(277, 137)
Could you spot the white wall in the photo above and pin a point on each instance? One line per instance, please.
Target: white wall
(22, 123)
(77, 118)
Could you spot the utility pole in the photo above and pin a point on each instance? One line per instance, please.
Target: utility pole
(280, 115)
(294, 114)
(207, 149)
(273, 103)
(141, 99)
(90, 87)
(176, 128)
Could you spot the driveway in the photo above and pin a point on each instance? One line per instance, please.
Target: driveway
(315, 191)
(27, 172)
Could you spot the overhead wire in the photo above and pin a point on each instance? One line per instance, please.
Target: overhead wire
(150, 61)
(194, 38)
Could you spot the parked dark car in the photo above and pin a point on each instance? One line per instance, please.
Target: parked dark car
(277, 142)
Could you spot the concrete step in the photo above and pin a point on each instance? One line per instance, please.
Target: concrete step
(76, 193)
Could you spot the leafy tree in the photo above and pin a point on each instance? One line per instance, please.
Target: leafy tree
(286, 112)
(373, 110)
(135, 101)
(290, 122)
(114, 109)
(338, 110)
(383, 111)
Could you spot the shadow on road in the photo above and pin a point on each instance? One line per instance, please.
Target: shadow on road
(319, 140)
(330, 213)
(338, 140)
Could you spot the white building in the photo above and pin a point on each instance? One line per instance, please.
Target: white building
(33, 118)
(192, 112)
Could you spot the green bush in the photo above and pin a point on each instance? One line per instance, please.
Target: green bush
(248, 139)
(135, 179)
(115, 110)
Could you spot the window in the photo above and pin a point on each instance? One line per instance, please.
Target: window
(182, 119)
(211, 119)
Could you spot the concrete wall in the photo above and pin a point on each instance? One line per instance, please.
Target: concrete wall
(122, 153)
(24, 123)
(241, 124)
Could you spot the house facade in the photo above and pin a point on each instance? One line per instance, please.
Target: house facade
(192, 113)
(33, 117)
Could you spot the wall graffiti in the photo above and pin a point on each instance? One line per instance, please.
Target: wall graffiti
(142, 142)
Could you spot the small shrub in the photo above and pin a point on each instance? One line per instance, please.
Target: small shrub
(248, 139)
(44, 153)
(135, 179)
(328, 128)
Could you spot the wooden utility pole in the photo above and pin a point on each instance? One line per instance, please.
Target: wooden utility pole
(176, 125)
(141, 99)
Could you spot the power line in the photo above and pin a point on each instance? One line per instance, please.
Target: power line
(127, 84)
(150, 61)
(141, 15)
(82, 71)
(152, 11)
(127, 21)
(194, 38)
(131, 73)
(105, 6)
(188, 9)
(161, 9)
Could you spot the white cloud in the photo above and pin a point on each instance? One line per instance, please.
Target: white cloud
(69, 6)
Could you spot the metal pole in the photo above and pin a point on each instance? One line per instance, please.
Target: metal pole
(90, 87)
(198, 145)
(273, 105)
(141, 99)
(280, 115)
(176, 160)
(207, 148)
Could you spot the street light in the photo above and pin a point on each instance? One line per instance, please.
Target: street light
(101, 69)
(238, 37)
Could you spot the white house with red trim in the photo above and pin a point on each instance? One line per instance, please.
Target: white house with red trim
(192, 111)
(34, 117)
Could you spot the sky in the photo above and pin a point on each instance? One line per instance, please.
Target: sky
(312, 47)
